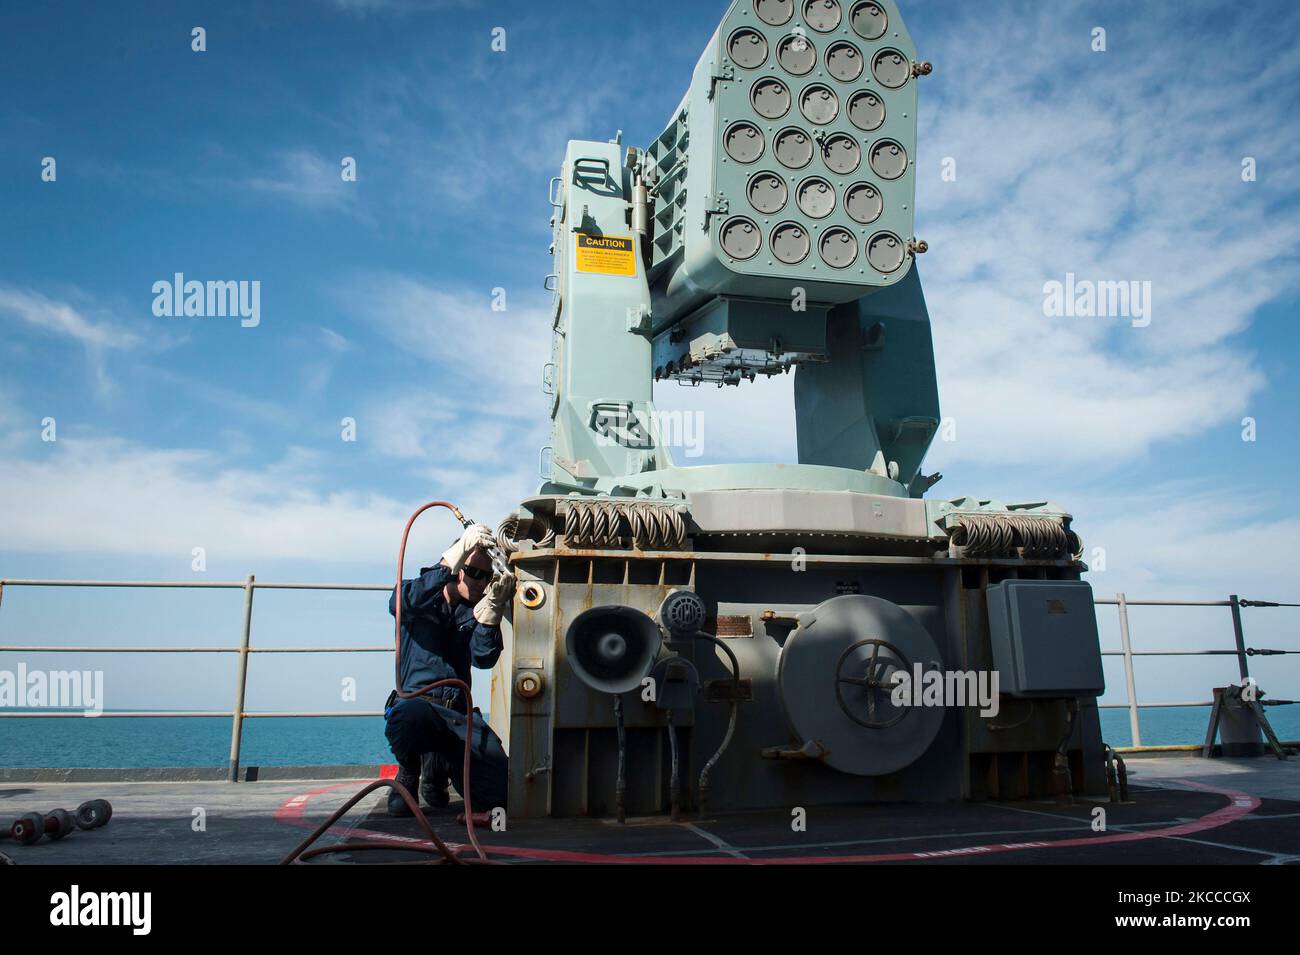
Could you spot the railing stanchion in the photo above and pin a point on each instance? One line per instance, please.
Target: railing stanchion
(1134, 728)
(241, 684)
(1235, 603)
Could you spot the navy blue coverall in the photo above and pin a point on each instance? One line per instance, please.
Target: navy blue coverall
(439, 642)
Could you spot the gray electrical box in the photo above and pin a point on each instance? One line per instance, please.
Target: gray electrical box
(1045, 641)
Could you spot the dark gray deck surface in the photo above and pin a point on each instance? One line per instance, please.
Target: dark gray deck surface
(1186, 811)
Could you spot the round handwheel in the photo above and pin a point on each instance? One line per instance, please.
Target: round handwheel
(93, 814)
(59, 823)
(870, 705)
(28, 829)
(836, 678)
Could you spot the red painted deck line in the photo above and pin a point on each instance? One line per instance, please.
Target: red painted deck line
(292, 813)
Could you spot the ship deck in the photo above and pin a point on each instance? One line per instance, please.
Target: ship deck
(1183, 810)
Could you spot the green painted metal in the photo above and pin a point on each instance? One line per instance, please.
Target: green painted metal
(939, 513)
(877, 394)
(721, 477)
(602, 365)
(690, 262)
(687, 303)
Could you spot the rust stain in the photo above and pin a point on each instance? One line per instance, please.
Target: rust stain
(736, 625)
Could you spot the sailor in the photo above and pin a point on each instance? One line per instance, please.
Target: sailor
(451, 620)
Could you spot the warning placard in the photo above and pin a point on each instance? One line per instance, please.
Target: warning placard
(605, 254)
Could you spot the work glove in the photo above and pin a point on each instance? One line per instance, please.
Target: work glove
(489, 609)
(476, 535)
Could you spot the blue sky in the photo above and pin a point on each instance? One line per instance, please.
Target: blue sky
(175, 433)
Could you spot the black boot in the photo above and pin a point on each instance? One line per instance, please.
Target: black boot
(433, 791)
(411, 782)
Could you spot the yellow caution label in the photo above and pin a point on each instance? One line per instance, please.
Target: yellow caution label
(605, 254)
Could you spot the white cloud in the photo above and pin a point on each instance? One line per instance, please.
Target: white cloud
(483, 156)
(231, 400)
(475, 360)
(16, 427)
(1187, 539)
(471, 431)
(1117, 166)
(334, 341)
(113, 497)
(477, 417)
(109, 496)
(304, 177)
(317, 372)
(63, 319)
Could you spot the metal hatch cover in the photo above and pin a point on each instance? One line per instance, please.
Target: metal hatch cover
(834, 676)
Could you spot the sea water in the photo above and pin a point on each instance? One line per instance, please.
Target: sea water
(322, 741)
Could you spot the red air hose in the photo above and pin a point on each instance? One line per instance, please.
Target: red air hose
(440, 848)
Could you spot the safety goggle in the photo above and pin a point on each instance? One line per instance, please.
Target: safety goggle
(476, 573)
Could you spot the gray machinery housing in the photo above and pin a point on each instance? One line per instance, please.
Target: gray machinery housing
(728, 636)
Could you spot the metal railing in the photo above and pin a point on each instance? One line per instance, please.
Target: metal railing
(1240, 651)
(238, 714)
